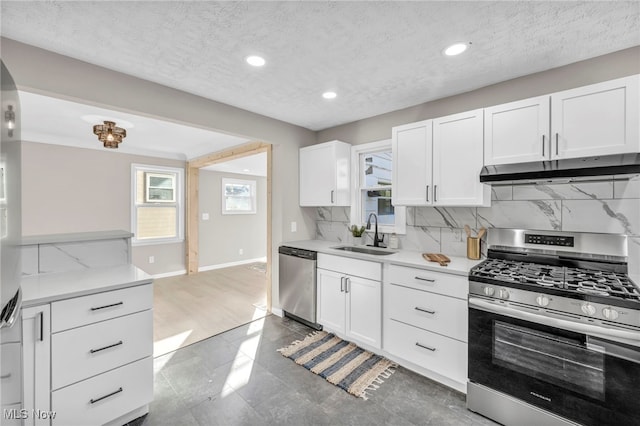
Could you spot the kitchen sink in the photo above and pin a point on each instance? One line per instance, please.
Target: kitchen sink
(376, 251)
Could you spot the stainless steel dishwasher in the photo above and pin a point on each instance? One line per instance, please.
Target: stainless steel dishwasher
(297, 286)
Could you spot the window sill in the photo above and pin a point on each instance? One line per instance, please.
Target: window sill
(158, 241)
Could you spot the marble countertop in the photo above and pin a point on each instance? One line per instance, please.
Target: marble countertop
(458, 266)
(46, 288)
(74, 237)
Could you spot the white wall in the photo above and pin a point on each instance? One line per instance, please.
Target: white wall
(222, 236)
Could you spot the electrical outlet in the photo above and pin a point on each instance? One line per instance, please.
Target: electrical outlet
(457, 234)
(294, 227)
(205, 216)
(241, 251)
(152, 259)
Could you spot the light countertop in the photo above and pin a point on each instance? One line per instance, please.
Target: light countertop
(74, 237)
(458, 266)
(46, 288)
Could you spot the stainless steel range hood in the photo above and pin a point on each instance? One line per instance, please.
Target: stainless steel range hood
(620, 166)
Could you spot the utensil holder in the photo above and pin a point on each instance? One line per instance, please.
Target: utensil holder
(473, 248)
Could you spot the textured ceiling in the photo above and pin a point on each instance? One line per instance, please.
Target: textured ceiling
(378, 56)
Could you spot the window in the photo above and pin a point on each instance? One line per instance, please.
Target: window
(238, 196)
(372, 166)
(157, 204)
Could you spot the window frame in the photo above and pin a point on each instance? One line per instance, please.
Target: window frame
(400, 212)
(178, 204)
(253, 191)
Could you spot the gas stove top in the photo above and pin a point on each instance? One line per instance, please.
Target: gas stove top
(539, 277)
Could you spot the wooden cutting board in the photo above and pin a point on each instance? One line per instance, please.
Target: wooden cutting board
(437, 257)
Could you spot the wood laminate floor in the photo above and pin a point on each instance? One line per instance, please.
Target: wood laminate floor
(190, 308)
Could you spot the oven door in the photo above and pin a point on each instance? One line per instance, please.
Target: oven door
(586, 379)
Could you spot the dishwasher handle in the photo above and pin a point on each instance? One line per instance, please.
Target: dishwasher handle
(297, 252)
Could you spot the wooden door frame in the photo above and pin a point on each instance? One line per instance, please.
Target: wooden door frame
(193, 207)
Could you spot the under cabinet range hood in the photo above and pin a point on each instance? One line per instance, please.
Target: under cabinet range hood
(622, 166)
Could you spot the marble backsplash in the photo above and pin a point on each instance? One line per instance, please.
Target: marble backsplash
(601, 207)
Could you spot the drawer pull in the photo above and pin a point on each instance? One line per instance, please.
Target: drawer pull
(6, 376)
(93, 401)
(107, 306)
(418, 308)
(425, 347)
(430, 280)
(341, 284)
(93, 351)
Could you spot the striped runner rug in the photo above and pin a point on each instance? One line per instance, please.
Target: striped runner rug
(341, 363)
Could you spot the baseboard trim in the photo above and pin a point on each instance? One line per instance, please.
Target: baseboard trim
(170, 274)
(230, 264)
(277, 311)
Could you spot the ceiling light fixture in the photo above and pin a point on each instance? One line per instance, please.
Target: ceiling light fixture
(109, 134)
(256, 61)
(456, 49)
(329, 95)
(10, 118)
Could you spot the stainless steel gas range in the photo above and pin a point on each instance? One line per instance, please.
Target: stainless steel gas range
(554, 330)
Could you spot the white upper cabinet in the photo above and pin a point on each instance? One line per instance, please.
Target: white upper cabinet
(324, 174)
(517, 132)
(412, 147)
(438, 162)
(458, 160)
(598, 119)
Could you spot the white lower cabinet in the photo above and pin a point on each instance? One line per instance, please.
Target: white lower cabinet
(350, 298)
(89, 359)
(425, 323)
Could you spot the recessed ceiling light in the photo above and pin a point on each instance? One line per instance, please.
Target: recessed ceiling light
(256, 61)
(329, 95)
(456, 49)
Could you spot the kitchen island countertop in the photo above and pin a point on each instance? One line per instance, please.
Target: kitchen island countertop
(412, 258)
(47, 288)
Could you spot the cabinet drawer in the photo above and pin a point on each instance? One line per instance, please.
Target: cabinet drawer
(114, 394)
(10, 377)
(436, 282)
(85, 310)
(114, 343)
(348, 265)
(448, 357)
(433, 312)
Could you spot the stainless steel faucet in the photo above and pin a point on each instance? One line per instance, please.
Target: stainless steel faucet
(376, 241)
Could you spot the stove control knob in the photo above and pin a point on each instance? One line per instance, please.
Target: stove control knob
(504, 294)
(488, 291)
(588, 309)
(610, 313)
(542, 300)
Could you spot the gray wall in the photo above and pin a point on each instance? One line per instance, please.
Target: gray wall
(66, 190)
(222, 236)
(40, 71)
(608, 67)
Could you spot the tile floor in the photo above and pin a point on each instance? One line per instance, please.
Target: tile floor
(238, 378)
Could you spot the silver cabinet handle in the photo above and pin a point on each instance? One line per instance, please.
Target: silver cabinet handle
(435, 193)
(6, 376)
(107, 306)
(429, 348)
(93, 351)
(341, 284)
(557, 135)
(430, 280)
(418, 308)
(543, 145)
(93, 401)
(332, 196)
(348, 286)
(427, 192)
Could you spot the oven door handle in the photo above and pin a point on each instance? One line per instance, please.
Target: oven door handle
(622, 336)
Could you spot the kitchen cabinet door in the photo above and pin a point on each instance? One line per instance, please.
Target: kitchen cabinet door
(325, 174)
(364, 310)
(412, 146)
(458, 160)
(331, 300)
(36, 363)
(598, 119)
(517, 132)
